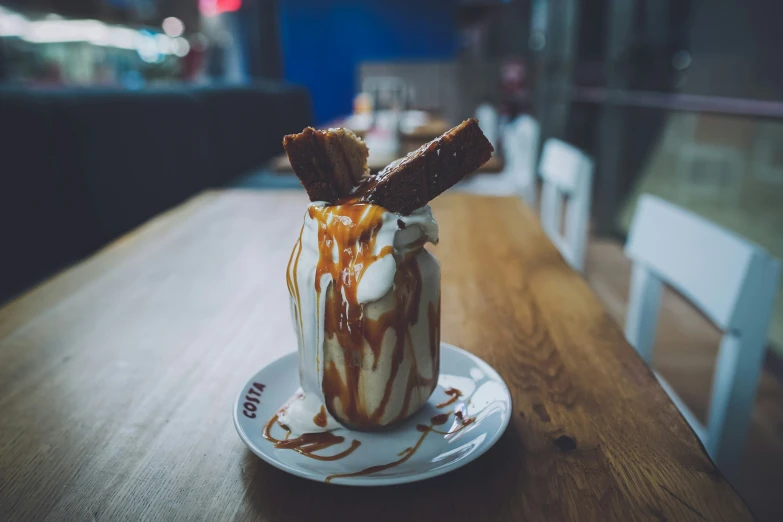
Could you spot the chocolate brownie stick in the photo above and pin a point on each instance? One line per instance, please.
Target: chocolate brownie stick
(329, 164)
(411, 182)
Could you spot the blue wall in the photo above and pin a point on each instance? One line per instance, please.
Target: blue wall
(324, 41)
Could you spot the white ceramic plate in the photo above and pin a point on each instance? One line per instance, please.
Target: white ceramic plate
(485, 398)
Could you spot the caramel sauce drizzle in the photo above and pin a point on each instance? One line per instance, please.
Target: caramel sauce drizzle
(462, 425)
(320, 418)
(437, 420)
(454, 393)
(354, 230)
(375, 469)
(291, 279)
(308, 443)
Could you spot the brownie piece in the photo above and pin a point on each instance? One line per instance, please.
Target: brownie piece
(411, 182)
(329, 164)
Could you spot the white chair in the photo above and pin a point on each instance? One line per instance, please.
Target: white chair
(568, 175)
(733, 282)
(520, 145)
(489, 122)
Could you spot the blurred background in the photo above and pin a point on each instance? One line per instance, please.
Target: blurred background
(112, 111)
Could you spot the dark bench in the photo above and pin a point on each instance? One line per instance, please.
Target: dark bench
(79, 167)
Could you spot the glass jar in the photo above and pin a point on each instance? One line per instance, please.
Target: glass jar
(366, 305)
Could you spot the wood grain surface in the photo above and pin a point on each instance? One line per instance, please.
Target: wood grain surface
(117, 379)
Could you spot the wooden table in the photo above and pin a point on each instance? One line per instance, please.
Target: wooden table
(118, 378)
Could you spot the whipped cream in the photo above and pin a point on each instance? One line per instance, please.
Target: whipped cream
(370, 274)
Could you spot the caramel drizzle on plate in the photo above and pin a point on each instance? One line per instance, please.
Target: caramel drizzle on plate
(454, 394)
(308, 443)
(436, 420)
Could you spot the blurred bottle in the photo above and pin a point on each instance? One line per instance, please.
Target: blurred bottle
(513, 89)
(362, 103)
(193, 63)
(387, 96)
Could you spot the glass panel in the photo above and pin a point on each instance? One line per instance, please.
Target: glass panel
(727, 169)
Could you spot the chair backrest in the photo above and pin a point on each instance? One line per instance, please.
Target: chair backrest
(567, 174)
(488, 119)
(732, 281)
(520, 147)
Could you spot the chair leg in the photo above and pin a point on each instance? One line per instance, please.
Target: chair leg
(738, 370)
(551, 210)
(528, 193)
(734, 386)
